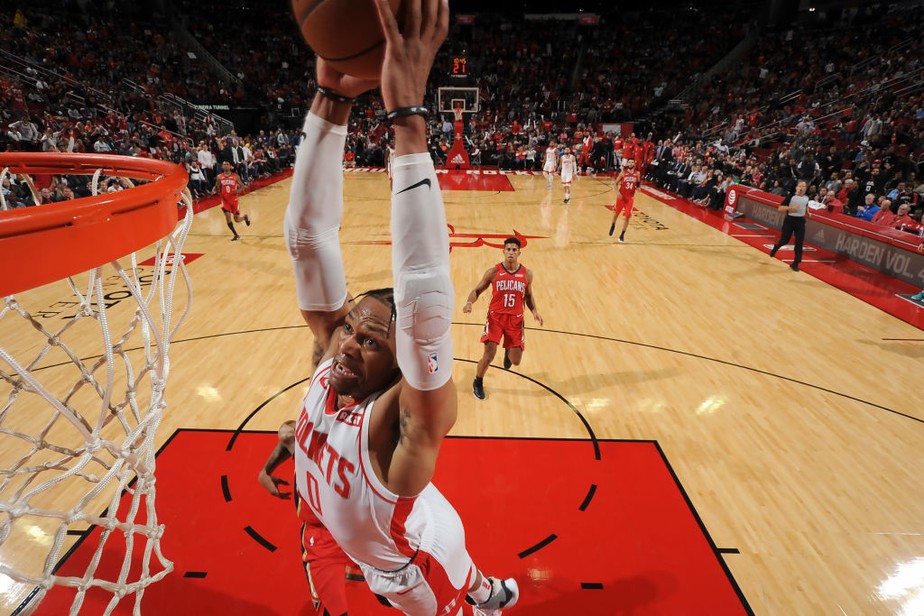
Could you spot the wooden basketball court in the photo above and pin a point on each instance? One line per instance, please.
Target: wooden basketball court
(790, 413)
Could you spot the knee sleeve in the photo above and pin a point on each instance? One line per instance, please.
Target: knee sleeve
(424, 295)
(313, 216)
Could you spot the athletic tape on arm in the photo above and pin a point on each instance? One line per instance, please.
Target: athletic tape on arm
(312, 224)
(424, 296)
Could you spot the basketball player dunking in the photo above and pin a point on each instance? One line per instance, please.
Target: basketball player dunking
(511, 287)
(626, 184)
(382, 399)
(228, 185)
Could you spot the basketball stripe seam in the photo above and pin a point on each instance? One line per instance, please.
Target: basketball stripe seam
(310, 10)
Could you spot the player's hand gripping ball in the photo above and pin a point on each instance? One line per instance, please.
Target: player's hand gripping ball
(346, 33)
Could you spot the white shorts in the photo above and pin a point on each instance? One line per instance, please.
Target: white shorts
(566, 177)
(549, 168)
(437, 579)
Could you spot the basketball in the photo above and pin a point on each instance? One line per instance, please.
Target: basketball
(346, 33)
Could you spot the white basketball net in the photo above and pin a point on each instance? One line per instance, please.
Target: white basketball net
(78, 421)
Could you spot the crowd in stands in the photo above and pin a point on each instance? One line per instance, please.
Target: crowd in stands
(840, 106)
(839, 102)
(72, 81)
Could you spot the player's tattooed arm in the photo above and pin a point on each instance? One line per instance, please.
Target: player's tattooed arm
(282, 452)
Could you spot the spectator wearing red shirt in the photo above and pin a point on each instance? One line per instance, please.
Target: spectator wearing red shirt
(884, 216)
(903, 221)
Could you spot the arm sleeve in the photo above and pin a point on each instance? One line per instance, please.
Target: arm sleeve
(424, 295)
(312, 222)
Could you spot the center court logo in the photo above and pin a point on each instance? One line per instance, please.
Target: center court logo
(472, 240)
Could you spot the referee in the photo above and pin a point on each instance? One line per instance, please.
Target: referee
(795, 206)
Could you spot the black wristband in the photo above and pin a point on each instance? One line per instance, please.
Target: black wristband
(334, 96)
(403, 112)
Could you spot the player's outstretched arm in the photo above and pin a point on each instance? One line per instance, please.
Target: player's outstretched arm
(424, 297)
(480, 288)
(312, 221)
(282, 452)
(528, 298)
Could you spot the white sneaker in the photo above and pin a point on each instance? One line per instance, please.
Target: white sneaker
(504, 594)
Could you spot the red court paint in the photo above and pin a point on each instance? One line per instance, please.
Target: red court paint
(474, 180)
(582, 535)
(188, 257)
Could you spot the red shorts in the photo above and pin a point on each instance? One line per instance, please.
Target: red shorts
(325, 564)
(230, 206)
(508, 326)
(624, 204)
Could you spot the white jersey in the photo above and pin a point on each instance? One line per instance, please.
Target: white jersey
(568, 166)
(334, 477)
(551, 160)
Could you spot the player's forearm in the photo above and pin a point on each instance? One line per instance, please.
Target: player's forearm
(424, 295)
(280, 454)
(410, 135)
(332, 111)
(315, 208)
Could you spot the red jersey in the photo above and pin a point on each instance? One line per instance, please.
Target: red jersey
(228, 187)
(629, 184)
(647, 152)
(628, 150)
(508, 290)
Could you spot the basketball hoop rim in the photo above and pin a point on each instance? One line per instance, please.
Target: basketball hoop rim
(56, 240)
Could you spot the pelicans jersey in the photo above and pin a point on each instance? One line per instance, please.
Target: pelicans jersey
(629, 185)
(625, 201)
(508, 290)
(505, 313)
(228, 182)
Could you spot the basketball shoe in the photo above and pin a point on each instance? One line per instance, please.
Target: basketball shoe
(247, 220)
(919, 297)
(478, 388)
(504, 594)
(507, 362)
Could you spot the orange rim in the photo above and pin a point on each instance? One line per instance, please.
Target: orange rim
(44, 243)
